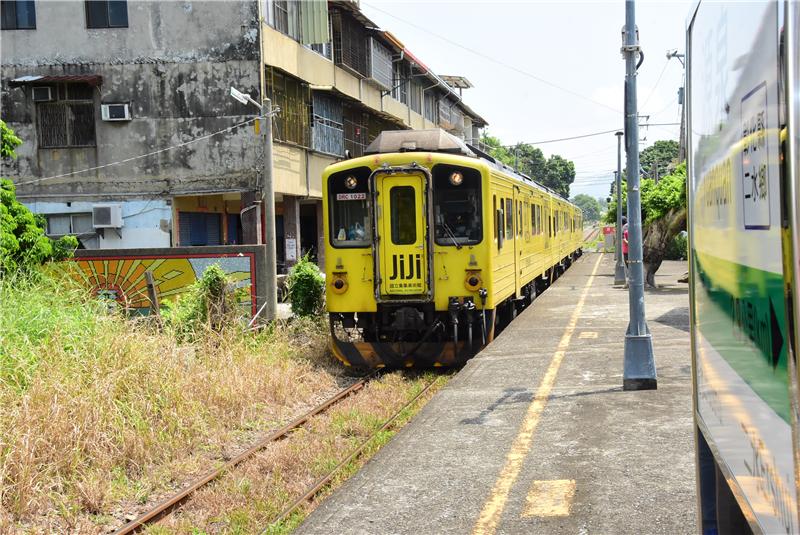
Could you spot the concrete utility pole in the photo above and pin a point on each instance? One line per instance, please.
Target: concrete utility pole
(639, 368)
(268, 202)
(270, 306)
(619, 268)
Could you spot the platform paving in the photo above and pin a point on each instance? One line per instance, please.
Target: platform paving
(497, 451)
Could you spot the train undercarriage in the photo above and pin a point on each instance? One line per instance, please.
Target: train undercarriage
(406, 334)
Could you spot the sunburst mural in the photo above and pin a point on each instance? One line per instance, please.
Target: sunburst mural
(123, 277)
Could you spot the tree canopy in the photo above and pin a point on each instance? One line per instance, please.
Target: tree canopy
(663, 153)
(555, 172)
(23, 240)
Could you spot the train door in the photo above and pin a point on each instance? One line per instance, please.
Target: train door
(402, 250)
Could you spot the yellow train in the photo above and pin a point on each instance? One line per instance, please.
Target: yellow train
(432, 245)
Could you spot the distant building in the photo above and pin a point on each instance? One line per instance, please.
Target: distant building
(87, 84)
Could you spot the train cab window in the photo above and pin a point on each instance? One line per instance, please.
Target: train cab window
(457, 206)
(348, 195)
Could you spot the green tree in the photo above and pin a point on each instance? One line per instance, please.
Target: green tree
(555, 172)
(662, 153)
(559, 174)
(23, 242)
(663, 216)
(591, 208)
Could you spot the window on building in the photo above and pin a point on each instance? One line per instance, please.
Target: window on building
(68, 120)
(416, 92)
(106, 14)
(63, 224)
(292, 95)
(400, 81)
(18, 15)
(349, 42)
(199, 228)
(431, 111)
(327, 132)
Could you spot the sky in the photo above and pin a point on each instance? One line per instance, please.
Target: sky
(550, 70)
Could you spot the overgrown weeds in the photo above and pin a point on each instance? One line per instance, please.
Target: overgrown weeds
(99, 411)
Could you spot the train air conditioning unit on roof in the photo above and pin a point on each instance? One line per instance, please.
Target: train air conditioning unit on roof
(42, 94)
(115, 112)
(107, 216)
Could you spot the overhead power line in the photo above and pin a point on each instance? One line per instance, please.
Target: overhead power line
(495, 60)
(581, 136)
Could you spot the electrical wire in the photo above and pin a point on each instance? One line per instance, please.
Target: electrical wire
(653, 92)
(495, 60)
(133, 158)
(581, 136)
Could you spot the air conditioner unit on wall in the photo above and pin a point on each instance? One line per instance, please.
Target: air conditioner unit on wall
(42, 94)
(115, 112)
(107, 216)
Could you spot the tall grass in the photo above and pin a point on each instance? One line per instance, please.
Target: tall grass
(97, 409)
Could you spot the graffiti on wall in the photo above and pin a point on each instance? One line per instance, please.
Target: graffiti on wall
(122, 278)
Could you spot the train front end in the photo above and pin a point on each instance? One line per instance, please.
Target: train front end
(403, 254)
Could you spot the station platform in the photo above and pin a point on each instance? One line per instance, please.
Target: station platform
(536, 435)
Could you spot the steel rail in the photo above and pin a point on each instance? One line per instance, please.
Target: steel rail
(320, 483)
(162, 508)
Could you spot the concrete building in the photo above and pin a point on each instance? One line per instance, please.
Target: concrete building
(126, 117)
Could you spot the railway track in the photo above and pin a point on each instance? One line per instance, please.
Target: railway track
(169, 505)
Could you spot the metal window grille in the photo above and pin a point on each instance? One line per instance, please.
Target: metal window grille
(292, 123)
(400, 81)
(280, 13)
(68, 122)
(327, 132)
(349, 42)
(380, 63)
(431, 107)
(415, 98)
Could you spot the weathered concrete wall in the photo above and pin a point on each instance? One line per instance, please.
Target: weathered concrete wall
(175, 64)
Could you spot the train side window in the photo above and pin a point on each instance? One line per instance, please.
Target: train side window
(498, 220)
(494, 214)
(348, 193)
(519, 218)
(509, 218)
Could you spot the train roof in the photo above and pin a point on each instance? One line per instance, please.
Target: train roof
(437, 140)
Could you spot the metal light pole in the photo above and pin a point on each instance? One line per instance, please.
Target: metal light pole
(639, 367)
(270, 305)
(619, 268)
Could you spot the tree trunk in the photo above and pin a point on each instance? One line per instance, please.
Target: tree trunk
(657, 237)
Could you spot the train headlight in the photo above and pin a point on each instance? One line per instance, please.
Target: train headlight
(473, 281)
(339, 283)
(456, 178)
(351, 182)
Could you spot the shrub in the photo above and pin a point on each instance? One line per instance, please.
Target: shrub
(678, 248)
(306, 287)
(208, 304)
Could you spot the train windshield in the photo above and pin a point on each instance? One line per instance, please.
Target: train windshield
(457, 205)
(349, 209)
